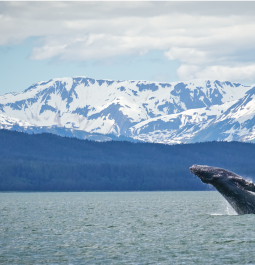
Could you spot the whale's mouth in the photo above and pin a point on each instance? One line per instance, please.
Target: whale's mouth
(202, 172)
(194, 169)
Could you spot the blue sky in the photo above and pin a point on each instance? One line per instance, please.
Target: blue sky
(18, 71)
(155, 41)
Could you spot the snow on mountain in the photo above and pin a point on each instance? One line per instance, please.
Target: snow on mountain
(157, 112)
(237, 123)
(178, 128)
(10, 122)
(14, 124)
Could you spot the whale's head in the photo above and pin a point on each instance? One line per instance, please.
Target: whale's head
(205, 173)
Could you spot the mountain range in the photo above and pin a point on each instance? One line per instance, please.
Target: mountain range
(170, 113)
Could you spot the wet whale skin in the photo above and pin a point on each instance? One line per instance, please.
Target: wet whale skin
(236, 190)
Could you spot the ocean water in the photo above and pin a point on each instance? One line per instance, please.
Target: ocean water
(123, 228)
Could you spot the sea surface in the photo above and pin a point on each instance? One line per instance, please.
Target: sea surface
(123, 228)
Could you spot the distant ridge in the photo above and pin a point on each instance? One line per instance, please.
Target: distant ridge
(178, 112)
(47, 162)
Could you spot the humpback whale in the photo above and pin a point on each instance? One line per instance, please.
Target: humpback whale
(237, 191)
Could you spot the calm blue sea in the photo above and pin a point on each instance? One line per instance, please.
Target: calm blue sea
(123, 228)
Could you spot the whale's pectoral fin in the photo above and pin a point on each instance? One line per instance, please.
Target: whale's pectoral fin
(249, 186)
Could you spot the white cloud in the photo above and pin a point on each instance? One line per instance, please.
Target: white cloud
(187, 72)
(241, 73)
(187, 55)
(208, 39)
(229, 73)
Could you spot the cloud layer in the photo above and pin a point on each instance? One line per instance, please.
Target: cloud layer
(209, 39)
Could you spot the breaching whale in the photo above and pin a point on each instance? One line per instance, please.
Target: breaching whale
(237, 191)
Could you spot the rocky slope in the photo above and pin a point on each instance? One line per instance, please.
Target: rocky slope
(194, 111)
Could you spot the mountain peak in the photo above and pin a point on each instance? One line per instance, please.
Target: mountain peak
(150, 111)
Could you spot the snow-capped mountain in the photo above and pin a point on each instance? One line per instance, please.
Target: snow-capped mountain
(198, 110)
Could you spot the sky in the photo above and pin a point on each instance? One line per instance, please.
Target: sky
(154, 41)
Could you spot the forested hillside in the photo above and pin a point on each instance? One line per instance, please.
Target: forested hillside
(46, 162)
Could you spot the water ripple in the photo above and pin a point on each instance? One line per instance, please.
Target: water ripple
(123, 228)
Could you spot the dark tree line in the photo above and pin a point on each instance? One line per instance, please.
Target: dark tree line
(46, 162)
